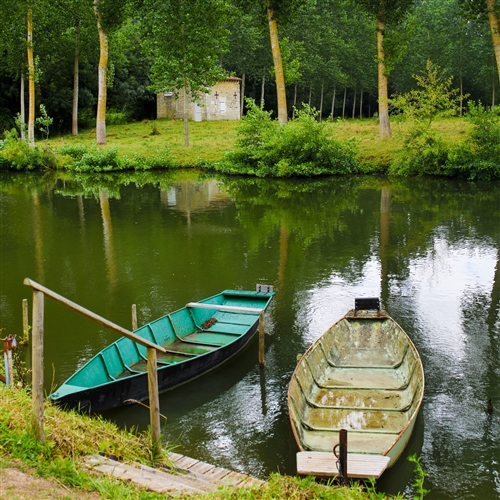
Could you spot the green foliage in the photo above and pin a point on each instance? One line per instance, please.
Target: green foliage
(419, 480)
(44, 122)
(478, 158)
(116, 118)
(300, 148)
(424, 153)
(96, 159)
(17, 155)
(434, 97)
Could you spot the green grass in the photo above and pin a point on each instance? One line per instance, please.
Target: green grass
(209, 140)
(70, 437)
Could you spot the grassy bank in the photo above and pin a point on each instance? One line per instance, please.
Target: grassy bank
(210, 140)
(70, 437)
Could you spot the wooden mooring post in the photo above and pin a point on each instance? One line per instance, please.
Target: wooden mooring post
(262, 325)
(39, 291)
(26, 325)
(134, 318)
(341, 455)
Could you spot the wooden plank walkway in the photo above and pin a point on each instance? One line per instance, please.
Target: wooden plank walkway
(189, 477)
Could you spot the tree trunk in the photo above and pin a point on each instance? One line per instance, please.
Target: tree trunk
(310, 93)
(74, 116)
(23, 110)
(242, 97)
(186, 126)
(295, 95)
(491, 5)
(343, 105)
(354, 103)
(262, 89)
(461, 94)
(31, 82)
(333, 100)
(321, 101)
(278, 65)
(383, 86)
(102, 78)
(493, 98)
(361, 105)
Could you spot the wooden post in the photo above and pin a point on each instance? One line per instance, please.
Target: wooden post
(7, 357)
(134, 318)
(154, 400)
(342, 457)
(26, 325)
(37, 374)
(261, 337)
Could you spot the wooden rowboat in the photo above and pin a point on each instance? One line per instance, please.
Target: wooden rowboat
(198, 338)
(363, 375)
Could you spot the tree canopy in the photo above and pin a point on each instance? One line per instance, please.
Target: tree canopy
(328, 53)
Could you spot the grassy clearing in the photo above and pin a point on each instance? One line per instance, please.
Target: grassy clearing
(209, 140)
(70, 436)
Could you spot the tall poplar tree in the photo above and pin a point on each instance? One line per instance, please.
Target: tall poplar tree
(386, 13)
(108, 14)
(278, 62)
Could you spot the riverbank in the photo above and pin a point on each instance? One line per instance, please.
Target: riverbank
(209, 141)
(29, 469)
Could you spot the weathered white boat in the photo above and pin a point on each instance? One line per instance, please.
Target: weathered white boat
(363, 375)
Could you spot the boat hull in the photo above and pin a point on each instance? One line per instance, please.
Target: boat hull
(363, 375)
(197, 341)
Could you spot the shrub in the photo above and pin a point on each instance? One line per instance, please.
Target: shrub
(300, 148)
(116, 118)
(18, 155)
(478, 157)
(97, 159)
(424, 153)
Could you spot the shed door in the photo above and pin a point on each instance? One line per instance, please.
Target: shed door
(197, 112)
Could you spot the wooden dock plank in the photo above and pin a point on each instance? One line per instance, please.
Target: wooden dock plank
(147, 477)
(189, 477)
(185, 463)
(323, 464)
(217, 473)
(201, 468)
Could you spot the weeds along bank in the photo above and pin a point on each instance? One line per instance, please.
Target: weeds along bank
(467, 148)
(71, 436)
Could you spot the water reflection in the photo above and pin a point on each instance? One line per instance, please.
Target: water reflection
(430, 249)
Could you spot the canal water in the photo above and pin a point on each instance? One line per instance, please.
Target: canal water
(428, 248)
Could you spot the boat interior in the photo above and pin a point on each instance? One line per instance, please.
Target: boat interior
(361, 375)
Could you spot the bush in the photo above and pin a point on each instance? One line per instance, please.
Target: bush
(97, 159)
(18, 155)
(116, 118)
(478, 158)
(424, 153)
(300, 148)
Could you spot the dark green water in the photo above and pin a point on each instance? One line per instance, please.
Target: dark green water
(429, 248)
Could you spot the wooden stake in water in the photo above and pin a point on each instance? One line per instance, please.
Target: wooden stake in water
(261, 337)
(26, 325)
(134, 318)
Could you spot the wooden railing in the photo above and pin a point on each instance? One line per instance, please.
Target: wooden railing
(39, 291)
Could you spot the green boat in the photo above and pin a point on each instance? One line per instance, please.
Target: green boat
(365, 376)
(198, 338)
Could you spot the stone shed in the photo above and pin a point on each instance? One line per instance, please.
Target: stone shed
(221, 103)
